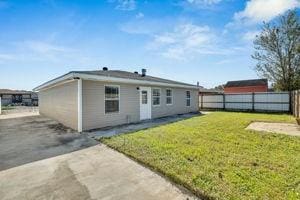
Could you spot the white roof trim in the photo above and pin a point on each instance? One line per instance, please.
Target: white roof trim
(108, 79)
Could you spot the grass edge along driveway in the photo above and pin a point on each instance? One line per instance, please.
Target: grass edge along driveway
(216, 158)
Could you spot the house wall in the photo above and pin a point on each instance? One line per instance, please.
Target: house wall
(6, 99)
(179, 103)
(60, 103)
(93, 109)
(27, 99)
(261, 88)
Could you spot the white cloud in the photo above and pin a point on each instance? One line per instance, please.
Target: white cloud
(35, 50)
(250, 35)
(126, 5)
(139, 15)
(144, 26)
(203, 2)
(44, 47)
(264, 10)
(6, 57)
(185, 41)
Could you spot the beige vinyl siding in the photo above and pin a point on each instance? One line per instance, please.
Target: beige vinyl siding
(93, 107)
(60, 103)
(179, 102)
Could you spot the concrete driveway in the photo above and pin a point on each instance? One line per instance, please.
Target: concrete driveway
(96, 172)
(27, 139)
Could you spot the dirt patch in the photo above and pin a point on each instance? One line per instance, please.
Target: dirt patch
(60, 128)
(282, 128)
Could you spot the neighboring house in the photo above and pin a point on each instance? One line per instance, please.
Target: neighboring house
(85, 100)
(254, 85)
(18, 97)
(204, 91)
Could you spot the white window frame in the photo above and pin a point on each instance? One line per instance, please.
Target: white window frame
(169, 104)
(119, 97)
(156, 96)
(186, 98)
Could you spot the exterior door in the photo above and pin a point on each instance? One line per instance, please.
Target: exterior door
(145, 103)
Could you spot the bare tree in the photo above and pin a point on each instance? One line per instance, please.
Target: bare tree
(277, 52)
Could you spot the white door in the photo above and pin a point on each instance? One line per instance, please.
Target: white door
(145, 103)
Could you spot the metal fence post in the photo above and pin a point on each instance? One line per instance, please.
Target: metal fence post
(224, 103)
(298, 105)
(290, 100)
(253, 101)
(201, 101)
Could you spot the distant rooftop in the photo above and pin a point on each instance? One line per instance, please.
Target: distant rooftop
(9, 91)
(244, 83)
(204, 90)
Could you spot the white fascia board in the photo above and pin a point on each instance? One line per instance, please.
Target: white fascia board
(130, 81)
(54, 82)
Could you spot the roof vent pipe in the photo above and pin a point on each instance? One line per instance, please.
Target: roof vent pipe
(105, 68)
(144, 72)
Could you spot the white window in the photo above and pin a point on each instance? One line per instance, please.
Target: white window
(169, 97)
(112, 103)
(188, 98)
(144, 97)
(156, 97)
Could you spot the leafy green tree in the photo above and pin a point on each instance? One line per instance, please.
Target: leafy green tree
(277, 51)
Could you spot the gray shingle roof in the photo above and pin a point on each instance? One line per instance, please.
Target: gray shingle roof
(130, 75)
(244, 83)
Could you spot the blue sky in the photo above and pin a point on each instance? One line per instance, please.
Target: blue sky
(209, 41)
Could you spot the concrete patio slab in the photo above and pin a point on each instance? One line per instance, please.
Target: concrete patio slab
(96, 172)
(282, 128)
(31, 138)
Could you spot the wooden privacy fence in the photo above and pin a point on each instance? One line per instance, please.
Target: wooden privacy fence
(296, 103)
(261, 101)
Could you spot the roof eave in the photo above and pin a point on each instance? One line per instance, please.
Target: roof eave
(131, 81)
(83, 76)
(55, 81)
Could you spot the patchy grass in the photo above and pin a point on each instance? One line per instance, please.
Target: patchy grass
(7, 107)
(215, 157)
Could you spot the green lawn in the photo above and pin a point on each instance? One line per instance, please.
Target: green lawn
(215, 157)
(7, 107)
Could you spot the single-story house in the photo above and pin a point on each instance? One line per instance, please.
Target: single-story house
(85, 100)
(242, 86)
(18, 97)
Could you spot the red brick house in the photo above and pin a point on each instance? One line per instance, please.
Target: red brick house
(254, 85)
